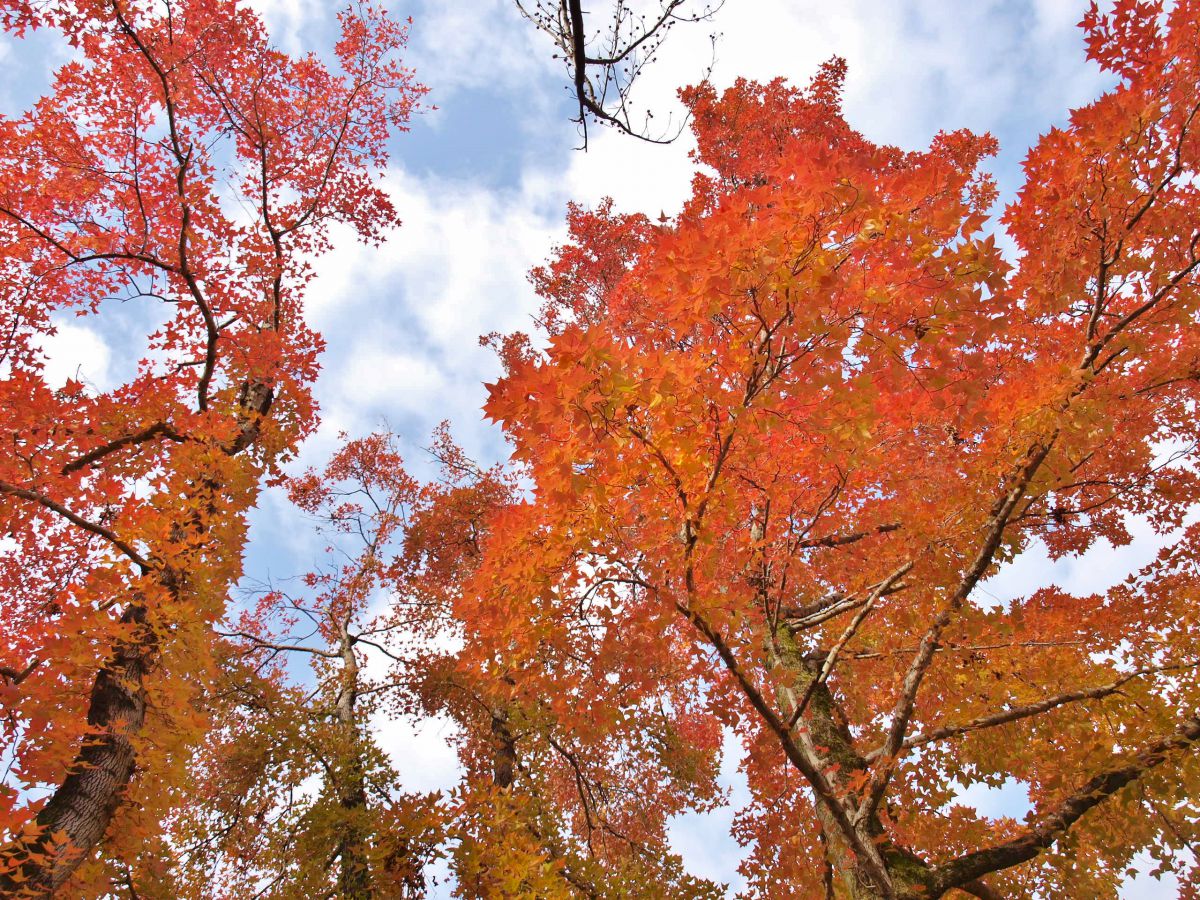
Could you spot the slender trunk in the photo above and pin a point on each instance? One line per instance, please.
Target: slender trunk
(354, 877)
(505, 763)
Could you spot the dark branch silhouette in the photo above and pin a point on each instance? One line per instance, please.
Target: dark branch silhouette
(604, 61)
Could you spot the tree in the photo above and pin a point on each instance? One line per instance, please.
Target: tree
(179, 163)
(604, 62)
(293, 796)
(256, 825)
(568, 781)
(795, 429)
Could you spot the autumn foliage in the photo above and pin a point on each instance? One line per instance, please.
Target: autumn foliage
(778, 442)
(183, 166)
(766, 455)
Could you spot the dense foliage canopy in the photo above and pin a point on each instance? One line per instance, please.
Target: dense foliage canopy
(777, 443)
(765, 453)
(179, 163)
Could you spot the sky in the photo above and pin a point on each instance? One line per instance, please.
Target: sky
(482, 181)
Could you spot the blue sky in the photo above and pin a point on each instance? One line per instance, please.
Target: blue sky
(482, 183)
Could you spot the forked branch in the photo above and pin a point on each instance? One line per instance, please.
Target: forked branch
(601, 79)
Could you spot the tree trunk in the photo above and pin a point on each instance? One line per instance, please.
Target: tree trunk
(504, 756)
(78, 814)
(909, 875)
(76, 817)
(354, 877)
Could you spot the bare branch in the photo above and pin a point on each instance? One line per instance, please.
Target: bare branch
(602, 78)
(263, 644)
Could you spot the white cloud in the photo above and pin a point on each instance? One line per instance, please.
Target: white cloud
(640, 177)
(1099, 569)
(915, 68)
(379, 376)
(1144, 886)
(422, 751)
(75, 351)
(1009, 799)
(483, 44)
(403, 321)
(288, 21)
(1056, 17)
(703, 840)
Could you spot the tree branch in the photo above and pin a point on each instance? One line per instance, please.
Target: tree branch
(1053, 825)
(264, 644)
(847, 635)
(76, 519)
(825, 792)
(998, 520)
(158, 429)
(841, 540)
(13, 676)
(1016, 713)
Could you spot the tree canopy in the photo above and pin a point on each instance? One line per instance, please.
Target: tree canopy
(179, 161)
(765, 455)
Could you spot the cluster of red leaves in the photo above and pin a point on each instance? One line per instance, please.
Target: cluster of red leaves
(182, 166)
(786, 435)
